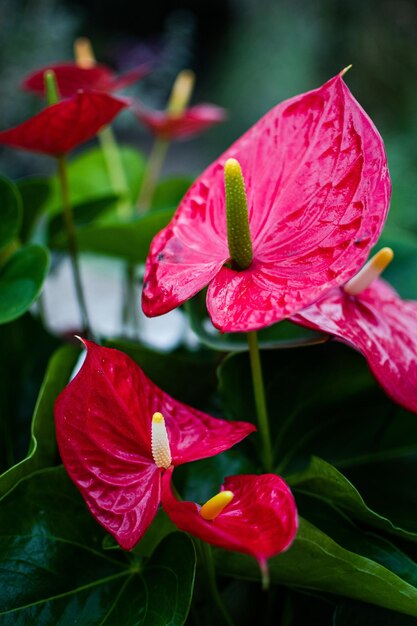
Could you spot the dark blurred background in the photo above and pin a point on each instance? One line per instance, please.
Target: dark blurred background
(247, 54)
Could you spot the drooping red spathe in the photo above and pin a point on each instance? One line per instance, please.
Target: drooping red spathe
(72, 78)
(261, 520)
(103, 424)
(318, 191)
(193, 121)
(379, 324)
(63, 126)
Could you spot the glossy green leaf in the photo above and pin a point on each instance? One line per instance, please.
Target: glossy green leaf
(64, 577)
(88, 177)
(313, 393)
(283, 335)
(316, 562)
(10, 211)
(21, 281)
(187, 376)
(84, 213)
(126, 241)
(325, 482)
(43, 449)
(169, 192)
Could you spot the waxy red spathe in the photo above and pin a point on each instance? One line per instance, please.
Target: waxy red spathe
(261, 520)
(61, 127)
(379, 324)
(192, 121)
(70, 78)
(318, 192)
(103, 425)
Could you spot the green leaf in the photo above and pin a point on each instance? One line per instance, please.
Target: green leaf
(283, 335)
(88, 177)
(404, 265)
(317, 562)
(126, 241)
(313, 393)
(53, 571)
(11, 211)
(84, 213)
(187, 376)
(325, 482)
(35, 193)
(169, 192)
(43, 449)
(21, 281)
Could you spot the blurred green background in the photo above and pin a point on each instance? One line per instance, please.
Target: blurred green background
(248, 55)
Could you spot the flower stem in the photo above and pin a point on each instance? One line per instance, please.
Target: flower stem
(260, 402)
(72, 242)
(153, 169)
(116, 171)
(207, 557)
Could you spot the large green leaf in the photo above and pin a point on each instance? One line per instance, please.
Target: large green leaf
(21, 281)
(89, 180)
(53, 571)
(313, 393)
(35, 193)
(84, 213)
(317, 562)
(126, 241)
(43, 449)
(283, 335)
(169, 192)
(325, 482)
(10, 211)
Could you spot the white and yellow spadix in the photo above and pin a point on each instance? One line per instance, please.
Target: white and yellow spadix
(373, 268)
(160, 445)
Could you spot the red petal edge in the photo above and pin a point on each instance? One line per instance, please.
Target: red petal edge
(318, 192)
(261, 520)
(61, 127)
(379, 324)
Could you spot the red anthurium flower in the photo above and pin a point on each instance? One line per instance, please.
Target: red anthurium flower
(71, 78)
(115, 442)
(378, 323)
(318, 191)
(256, 515)
(192, 121)
(61, 127)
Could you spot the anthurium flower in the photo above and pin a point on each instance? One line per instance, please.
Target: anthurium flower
(252, 514)
(118, 432)
(192, 121)
(318, 190)
(72, 78)
(373, 319)
(63, 126)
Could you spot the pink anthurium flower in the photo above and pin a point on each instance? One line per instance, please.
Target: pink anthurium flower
(318, 190)
(71, 78)
(370, 316)
(63, 126)
(118, 432)
(192, 121)
(252, 514)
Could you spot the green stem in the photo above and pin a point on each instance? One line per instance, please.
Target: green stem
(260, 402)
(207, 557)
(72, 243)
(116, 171)
(153, 169)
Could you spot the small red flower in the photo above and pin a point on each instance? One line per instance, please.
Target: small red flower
(115, 443)
(72, 78)
(192, 121)
(260, 518)
(379, 324)
(63, 126)
(318, 191)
